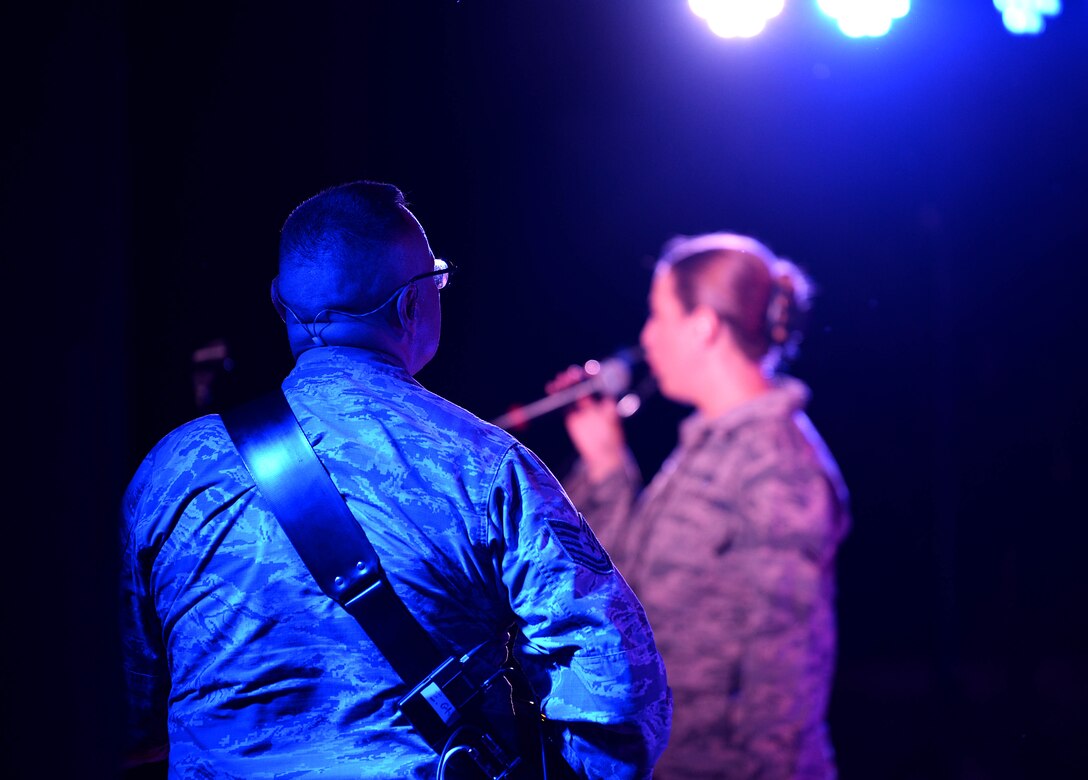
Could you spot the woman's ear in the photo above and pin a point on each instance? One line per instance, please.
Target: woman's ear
(706, 323)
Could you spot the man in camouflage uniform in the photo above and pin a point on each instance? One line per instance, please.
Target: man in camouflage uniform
(732, 544)
(238, 665)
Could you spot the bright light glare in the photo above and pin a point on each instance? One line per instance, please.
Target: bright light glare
(1025, 17)
(865, 18)
(736, 18)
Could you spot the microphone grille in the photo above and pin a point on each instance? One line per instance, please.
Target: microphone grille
(614, 376)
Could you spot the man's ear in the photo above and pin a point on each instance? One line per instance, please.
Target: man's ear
(408, 306)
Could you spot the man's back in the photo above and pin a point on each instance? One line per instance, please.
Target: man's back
(270, 677)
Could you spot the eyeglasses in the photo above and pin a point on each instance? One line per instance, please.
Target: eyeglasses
(441, 275)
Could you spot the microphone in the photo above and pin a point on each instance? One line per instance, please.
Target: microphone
(608, 377)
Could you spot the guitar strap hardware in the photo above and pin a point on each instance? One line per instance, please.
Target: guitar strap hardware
(444, 703)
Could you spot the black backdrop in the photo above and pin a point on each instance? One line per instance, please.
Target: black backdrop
(933, 182)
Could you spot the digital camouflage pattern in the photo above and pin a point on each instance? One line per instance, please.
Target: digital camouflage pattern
(731, 549)
(234, 654)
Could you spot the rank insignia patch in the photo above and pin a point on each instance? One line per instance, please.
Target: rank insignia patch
(582, 545)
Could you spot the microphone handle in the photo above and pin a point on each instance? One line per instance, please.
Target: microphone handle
(523, 414)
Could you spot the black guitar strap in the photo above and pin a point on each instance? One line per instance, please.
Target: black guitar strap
(445, 701)
(328, 538)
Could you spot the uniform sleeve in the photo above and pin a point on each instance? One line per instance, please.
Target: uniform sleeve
(146, 677)
(586, 644)
(606, 503)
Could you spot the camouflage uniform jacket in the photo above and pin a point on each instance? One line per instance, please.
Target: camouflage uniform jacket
(234, 654)
(731, 550)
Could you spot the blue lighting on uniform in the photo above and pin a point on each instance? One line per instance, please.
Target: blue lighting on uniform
(736, 18)
(1026, 17)
(865, 18)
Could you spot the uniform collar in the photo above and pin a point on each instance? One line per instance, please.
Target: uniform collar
(786, 396)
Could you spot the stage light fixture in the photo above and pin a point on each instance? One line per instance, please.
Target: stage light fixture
(1027, 17)
(736, 18)
(865, 18)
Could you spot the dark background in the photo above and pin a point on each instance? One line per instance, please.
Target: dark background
(933, 182)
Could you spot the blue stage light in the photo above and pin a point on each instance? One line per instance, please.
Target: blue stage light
(1027, 17)
(865, 18)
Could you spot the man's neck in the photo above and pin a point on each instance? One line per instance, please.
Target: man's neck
(342, 334)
